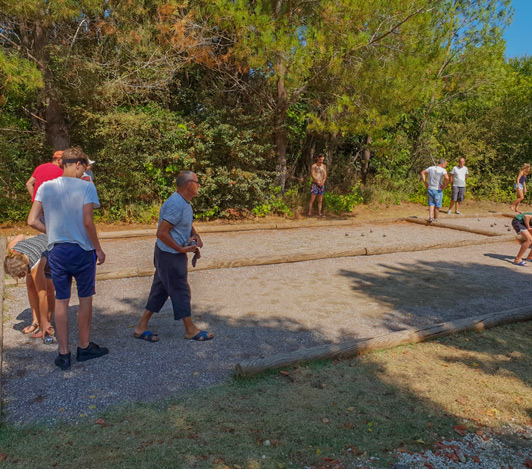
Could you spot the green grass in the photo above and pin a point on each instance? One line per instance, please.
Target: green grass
(346, 411)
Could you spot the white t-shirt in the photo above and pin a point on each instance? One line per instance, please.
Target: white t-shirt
(62, 201)
(459, 176)
(435, 177)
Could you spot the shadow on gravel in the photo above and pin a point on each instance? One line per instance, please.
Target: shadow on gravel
(436, 292)
(134, 370)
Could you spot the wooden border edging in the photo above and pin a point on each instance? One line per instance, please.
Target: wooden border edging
(246, 262)
(3, 246)
(264, 226)
(355, 347)
(441, 224)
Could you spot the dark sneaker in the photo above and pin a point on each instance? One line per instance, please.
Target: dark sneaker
(63, 361)
(92, 351)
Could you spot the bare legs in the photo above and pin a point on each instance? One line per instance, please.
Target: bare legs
(520, 197)
(34, 303)
(190, 329)
(84, 322)
(320, 203)
(527, 242)
(456, 205)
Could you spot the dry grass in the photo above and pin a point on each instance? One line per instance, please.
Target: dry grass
(329, 413)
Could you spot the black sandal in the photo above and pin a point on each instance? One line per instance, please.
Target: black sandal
(31, 329)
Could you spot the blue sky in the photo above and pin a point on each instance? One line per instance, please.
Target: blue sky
(519, 34)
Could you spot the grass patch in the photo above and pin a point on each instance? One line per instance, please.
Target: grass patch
(344, 411)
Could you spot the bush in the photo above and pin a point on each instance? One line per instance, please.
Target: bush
(343, 203)
(276, 203)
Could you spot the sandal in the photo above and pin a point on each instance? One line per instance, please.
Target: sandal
(30, 329)
(201, 336)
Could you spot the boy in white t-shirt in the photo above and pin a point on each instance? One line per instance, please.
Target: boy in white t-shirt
(74, 249)
(458, 177)
(435, 179)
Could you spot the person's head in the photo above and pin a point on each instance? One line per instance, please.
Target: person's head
(57, 158)
(187, 184)
(461, 162)
(442, 162)
(320, 159)
(74, 162)
(16, 264)
(526, 168)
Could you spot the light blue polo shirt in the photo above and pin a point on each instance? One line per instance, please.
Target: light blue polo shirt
(178, 212)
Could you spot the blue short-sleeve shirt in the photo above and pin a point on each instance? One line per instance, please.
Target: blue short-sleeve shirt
(178, 212)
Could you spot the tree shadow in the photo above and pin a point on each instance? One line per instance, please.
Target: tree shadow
(140, 372)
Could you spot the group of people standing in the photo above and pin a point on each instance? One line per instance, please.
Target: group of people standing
(63, 203)
(436, 180)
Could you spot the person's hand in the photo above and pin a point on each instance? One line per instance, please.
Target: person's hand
(100, 255)
(185, 249)
(426, 184)
(196, 237)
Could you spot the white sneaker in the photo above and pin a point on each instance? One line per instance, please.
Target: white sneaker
(449, 212)
(458, 213)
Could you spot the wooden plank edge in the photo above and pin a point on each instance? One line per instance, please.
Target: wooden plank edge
(3, 247)
(353, 348)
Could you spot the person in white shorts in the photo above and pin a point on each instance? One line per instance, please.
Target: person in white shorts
(458, 176)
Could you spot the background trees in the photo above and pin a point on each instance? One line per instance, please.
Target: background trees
(247, 92)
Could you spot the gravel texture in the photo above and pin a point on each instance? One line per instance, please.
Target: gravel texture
(499, 225)
(254, 312)
(248, 244)
(483, 449)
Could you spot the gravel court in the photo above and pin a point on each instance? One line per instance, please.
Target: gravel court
(274, 243)
(498, 225)
(254, 311)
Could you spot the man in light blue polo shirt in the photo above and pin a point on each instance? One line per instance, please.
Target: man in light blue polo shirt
(175, 238)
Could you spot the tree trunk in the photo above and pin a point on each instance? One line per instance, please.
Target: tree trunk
(417, 147)
(366, 155)
(36, 40)
(281, 139)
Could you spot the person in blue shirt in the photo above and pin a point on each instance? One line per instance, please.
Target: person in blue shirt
(176, 237)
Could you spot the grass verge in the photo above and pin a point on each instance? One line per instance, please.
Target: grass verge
(339, 413)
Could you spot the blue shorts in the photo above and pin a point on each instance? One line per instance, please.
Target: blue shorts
(435, 197)
(69, 260)
(317, 190)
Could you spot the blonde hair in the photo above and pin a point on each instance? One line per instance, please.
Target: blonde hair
(15, 264)
(526, 168)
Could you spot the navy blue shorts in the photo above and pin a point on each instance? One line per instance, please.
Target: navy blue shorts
(69, 260)
(170, 280)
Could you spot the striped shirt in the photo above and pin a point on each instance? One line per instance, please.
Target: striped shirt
(34, 248)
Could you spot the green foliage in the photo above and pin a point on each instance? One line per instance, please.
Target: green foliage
(343, 203)
(276, 203)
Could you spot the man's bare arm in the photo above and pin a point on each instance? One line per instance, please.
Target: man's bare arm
(446, 181)
(30, 185)
(34, 218)
(88, 223)
(163, 233)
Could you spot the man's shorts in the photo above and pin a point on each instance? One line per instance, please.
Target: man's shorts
(518, 226)
(458, 194)
(69, 260)
(317, 190)
(435, 197)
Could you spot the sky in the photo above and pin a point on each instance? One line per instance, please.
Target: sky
(519, 34)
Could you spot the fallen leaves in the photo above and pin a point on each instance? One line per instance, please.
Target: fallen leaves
(462, 400)
(528, 463)
(460, 429)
